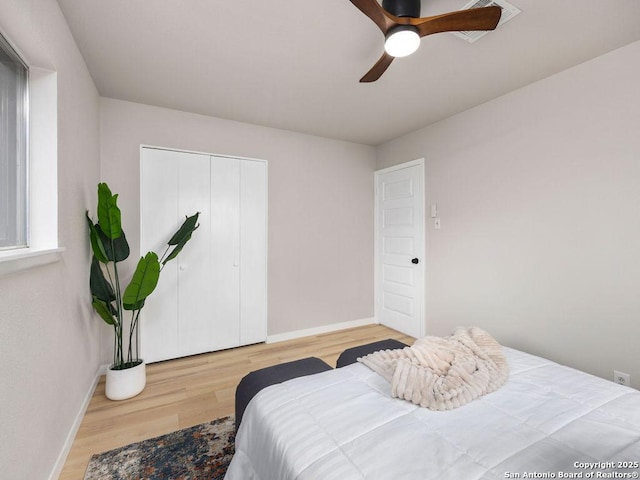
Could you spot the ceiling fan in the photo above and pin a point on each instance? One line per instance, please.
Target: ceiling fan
(403, 28)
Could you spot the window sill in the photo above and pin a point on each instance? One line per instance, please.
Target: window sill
(22, 259)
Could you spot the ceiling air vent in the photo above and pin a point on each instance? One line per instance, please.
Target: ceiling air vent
(508, 12)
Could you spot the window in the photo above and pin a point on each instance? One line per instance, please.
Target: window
(28, 162)
(13, 148)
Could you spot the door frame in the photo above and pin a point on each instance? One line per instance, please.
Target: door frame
(377, 277)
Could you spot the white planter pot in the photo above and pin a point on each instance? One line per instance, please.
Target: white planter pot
(127, 383)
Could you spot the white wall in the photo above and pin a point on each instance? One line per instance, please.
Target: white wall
(320, 205)
(539, 198)
(49, 339)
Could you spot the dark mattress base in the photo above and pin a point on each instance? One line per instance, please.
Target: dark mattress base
(351, 355)
(255, 381)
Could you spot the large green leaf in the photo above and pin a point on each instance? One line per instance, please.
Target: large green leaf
(96, 242)
(99, 285)
(182, 236)
(120, 250)
(185, 231)
(177, 249)
(109, 217)
(103, 310)
(134, 306)
(143, 283)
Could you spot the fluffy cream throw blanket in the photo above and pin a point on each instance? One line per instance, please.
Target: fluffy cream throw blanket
(443, 373)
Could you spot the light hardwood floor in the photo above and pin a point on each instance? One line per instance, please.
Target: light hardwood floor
(189, 391)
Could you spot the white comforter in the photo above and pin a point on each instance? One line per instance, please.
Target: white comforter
(343, 424)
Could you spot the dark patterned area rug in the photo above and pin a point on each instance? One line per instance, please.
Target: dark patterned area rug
(195, 453)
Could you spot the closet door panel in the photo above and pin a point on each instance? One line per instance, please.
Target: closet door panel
(214, 294)
(159, 219)
(224, 301)
(195, 329)
(253, 255)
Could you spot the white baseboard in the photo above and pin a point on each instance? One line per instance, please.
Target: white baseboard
(62, 458)
(334, 327)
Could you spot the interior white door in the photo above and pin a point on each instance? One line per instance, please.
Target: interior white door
(196, 330)
(400, 248)
(224, 303)
(214, 294)
(175, 319)
(238, 246)
(159, 211)
(253, 252)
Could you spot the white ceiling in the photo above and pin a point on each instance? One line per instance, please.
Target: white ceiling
(295, 64)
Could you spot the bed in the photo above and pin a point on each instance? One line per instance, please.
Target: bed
(546, 421)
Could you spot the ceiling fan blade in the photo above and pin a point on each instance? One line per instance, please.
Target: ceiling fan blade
(373, 10)
(378, 69)
(485, 18)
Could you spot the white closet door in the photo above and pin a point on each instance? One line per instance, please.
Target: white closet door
(159, 215)
(196, 331)
(253, 255)
(224, 303)
(214, 295)
(174, 321)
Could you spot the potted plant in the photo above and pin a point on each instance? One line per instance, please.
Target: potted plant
(126, 377)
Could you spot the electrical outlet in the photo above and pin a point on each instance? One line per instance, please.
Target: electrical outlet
(436, 223)
(622, 378)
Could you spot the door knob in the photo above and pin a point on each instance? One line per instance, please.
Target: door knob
(415, 261)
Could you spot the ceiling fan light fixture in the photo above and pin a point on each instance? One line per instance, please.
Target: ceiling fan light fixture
(402, 40)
